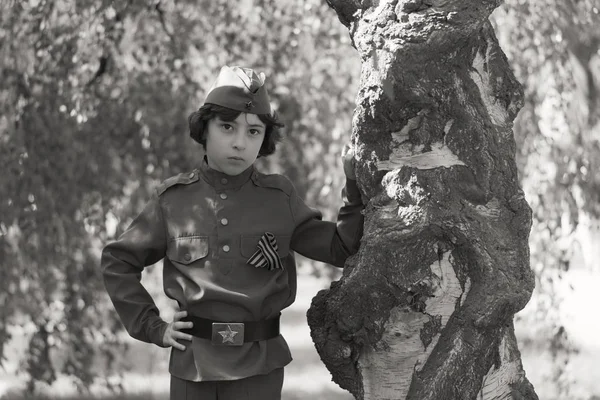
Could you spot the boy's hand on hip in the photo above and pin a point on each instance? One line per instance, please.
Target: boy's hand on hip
(172, 333)
(349, 161)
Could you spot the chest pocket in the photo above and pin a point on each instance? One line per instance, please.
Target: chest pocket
(249, 245)
(186, 250)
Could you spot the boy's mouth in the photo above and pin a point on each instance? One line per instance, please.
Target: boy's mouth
(236, 158)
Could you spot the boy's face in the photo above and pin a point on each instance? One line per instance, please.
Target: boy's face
(233, 146)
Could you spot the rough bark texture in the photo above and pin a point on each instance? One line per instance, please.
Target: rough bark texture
(425, 309)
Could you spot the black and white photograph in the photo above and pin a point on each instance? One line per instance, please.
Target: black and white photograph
(299, 199)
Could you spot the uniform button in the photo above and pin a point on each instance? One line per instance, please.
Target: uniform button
(192, 174)
(223, 196)
(224, 221)
(226, 249)
(187, 257)
(224, 181)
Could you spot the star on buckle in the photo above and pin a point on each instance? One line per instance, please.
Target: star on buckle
(227, 334)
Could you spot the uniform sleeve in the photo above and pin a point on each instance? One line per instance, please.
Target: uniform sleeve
(327, 241)
(122, 263)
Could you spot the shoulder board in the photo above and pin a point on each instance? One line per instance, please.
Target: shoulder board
(184, 178)
(274, 181)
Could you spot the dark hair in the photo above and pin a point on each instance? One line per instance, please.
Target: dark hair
(198, 121)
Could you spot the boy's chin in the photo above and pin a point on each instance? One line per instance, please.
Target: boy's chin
(234, 171)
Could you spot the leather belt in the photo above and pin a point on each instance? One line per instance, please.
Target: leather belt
(232, 333)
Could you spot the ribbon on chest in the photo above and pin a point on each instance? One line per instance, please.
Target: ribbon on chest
(266, 256)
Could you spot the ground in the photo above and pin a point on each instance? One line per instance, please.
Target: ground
(307, 378)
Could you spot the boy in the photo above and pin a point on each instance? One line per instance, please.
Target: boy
(227, 234)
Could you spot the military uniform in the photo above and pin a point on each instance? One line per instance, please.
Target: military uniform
(207, 226)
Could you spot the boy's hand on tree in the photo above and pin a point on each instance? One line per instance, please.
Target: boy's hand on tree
(349, 161)
(172, 333)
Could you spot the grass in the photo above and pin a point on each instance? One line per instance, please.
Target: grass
(306, 377)
(329, 395)
(142, 396)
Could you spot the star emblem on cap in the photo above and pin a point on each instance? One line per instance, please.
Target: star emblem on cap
(249, 105)
(228, 335)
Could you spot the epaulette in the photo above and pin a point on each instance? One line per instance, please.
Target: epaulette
(274, 181)
(185, 178)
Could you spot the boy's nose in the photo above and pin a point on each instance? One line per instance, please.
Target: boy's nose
(240, 141)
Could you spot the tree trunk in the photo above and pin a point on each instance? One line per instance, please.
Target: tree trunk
(425, 309)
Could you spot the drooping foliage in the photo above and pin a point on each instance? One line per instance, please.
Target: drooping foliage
(94, 103)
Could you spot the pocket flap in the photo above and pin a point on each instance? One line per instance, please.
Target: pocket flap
(186, 250)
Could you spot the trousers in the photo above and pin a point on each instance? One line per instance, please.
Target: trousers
(262, 387)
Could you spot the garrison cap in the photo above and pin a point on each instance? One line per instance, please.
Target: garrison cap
(240, 89)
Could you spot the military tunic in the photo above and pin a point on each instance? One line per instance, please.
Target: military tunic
(206, 225)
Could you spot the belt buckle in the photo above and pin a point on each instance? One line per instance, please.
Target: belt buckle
(228, 333)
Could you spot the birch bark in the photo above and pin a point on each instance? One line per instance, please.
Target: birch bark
(425, 309)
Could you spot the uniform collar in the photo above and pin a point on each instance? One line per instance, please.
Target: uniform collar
(219, 179)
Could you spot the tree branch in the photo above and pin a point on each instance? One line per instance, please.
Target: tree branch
(163, 23)
(345, 9)
(102, 67)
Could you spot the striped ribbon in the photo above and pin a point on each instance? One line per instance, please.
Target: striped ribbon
(266, 256)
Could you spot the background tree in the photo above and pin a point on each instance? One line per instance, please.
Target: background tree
(425, 309)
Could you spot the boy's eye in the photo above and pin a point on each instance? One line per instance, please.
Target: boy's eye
(226, 127)
(254, 132)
